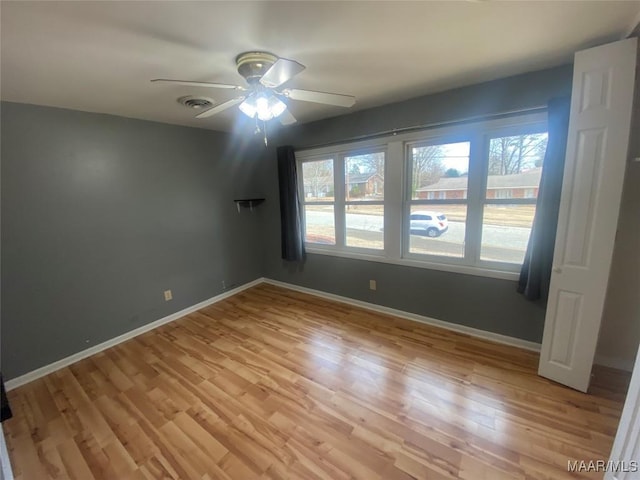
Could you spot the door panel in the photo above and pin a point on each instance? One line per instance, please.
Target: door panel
(597, 146)
(581, 211)
(569, 306)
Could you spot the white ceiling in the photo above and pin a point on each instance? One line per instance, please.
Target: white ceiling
(100, 56)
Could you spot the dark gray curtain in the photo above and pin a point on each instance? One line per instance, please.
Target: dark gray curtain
(290, 210)
(535, 275)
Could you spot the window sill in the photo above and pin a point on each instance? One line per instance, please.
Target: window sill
(463, 269)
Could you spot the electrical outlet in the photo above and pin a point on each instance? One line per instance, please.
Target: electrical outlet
(373, 285)
(168, 295)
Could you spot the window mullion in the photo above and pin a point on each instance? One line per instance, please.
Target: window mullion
(475, 198)
(301, 195)
(407, 159)
(393, 199)
(339, 206)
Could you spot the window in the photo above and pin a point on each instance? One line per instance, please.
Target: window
(319, 202)
(345, 210)
(438, 174)
(457, 198)
(499, 193)
(513, 171)
(364, 200)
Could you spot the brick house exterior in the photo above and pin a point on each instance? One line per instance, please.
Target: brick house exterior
(519, 185)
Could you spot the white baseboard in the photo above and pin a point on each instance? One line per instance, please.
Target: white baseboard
(617, 363)
(475, 332)
(6, 473)
(52, 367)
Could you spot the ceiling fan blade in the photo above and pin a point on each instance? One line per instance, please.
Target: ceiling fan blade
(287, 118)
(280, 72)
(199, 84)
(220, 108)
(320, 97)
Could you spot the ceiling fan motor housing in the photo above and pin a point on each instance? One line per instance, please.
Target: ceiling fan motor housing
(253, 65)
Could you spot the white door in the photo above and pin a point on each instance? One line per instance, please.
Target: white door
(599, 124)
(625, 455)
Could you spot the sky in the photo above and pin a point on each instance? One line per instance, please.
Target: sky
(456, 156)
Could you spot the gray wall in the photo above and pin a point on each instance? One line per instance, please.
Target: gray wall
(479, 302)
(101, 214)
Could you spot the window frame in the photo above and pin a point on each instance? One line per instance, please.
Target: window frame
(410, 202)
(340, 202)
(304, 202)
(343, 182)
(397, 192)
(507, 131)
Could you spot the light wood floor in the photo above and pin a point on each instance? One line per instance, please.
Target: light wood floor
(276, 384)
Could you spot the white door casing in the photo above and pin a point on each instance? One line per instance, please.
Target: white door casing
(597, 149)
(625, 455)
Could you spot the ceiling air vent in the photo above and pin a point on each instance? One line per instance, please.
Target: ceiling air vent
(197, 103)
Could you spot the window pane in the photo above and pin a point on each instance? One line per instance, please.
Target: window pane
(365, 226)
(440, 171)
(318, 181)
(515, 165)
(364, 177)
(320, 224)
(438, 229)
(505, 232)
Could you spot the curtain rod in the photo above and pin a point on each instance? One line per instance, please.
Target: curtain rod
(427, 126)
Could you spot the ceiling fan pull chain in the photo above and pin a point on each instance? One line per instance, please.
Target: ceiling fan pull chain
(264, 126)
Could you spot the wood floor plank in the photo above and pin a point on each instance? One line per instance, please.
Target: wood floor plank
(275, 384)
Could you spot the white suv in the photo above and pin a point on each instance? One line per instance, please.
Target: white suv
(433, 224)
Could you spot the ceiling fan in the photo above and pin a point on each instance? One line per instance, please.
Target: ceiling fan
(264, 96)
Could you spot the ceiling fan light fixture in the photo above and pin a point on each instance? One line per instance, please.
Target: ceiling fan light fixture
(263, 111)
(262, 105)
(249, 107)
(276, 106)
